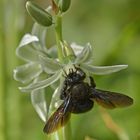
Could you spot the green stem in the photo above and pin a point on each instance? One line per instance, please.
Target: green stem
(59, 38)
(64, 133)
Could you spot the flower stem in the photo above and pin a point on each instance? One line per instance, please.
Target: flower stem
(65, 131)
(58, 34)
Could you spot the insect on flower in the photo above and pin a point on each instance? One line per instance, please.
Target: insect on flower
(79, 96)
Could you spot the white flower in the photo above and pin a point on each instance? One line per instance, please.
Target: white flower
(42, 68)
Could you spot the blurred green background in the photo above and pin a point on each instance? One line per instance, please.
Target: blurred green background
(113, 29)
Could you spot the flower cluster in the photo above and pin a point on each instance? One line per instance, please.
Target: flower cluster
(43, 69)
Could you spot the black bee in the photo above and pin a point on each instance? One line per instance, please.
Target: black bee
(79, 96)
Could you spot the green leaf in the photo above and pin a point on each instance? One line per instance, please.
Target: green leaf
(42, 84)
(25, 51)
(50, 66)
(39, 103)
(38, 14)
(27, 72)
(103, 70)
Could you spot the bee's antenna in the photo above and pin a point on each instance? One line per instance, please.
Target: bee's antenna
(92, 82)
(70, 70)
(76, 68)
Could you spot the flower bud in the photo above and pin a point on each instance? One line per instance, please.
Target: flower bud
(41, 16)
(68, 51)
(64, 5)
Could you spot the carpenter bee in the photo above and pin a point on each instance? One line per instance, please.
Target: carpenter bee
(79, 96)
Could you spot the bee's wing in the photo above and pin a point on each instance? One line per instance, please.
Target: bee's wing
(111, 100)
(58, 119)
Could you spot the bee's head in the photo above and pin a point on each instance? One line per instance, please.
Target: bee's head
(75, 76)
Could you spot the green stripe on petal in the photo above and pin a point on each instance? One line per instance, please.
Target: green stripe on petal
(103, 70)
(42, 84)
(26, 73)
(39, 103)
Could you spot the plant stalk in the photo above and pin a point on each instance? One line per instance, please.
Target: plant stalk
(65, 132)
(58, 34)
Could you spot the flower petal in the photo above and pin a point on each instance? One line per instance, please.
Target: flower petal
(77, 48)
(40, 32)
(26, 52)
(39, 103)
(42, 84)
(50, 65)
(55, 100)
(53, 51)
(27, 72)
(85, 55)
(27, 39)
(102, 70)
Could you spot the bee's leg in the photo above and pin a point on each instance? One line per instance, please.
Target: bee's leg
(92, 83)
(65, 74)
(76, 67)
(63, 90)
(63, 94)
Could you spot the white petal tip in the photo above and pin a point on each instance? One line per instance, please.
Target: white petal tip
(28, 38)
